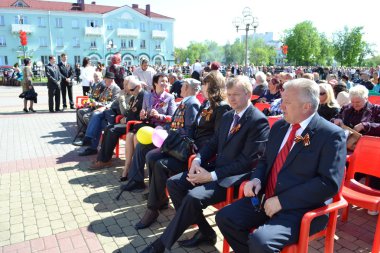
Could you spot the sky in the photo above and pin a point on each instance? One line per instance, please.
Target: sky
(200, 20)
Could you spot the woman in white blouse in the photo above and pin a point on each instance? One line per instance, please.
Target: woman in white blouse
(87, 75)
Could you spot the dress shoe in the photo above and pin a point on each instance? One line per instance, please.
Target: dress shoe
(155, 247)
(72, 107)
(149, 218)
(31, 110)
(100, 165)
(84, 142)
(197, 239)
(59, 110)
(123, 179)
(88, 151)
(52, 111)
(25, 110)
(133, 186)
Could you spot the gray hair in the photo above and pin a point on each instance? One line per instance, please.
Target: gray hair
(174, 75)
(240, 81)
(309, 90)
(193, 83)
(359, 91)
(262, 76)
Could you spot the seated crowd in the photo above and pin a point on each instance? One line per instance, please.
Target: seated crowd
(233, 143)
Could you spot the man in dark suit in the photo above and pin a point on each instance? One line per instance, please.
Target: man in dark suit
(53, 84)
(303, 166)
(238, 144)
(67, 74)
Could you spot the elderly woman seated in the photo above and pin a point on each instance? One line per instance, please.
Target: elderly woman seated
(362, 116)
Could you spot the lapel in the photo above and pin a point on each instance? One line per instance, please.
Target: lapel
(310, 129)
(244, 118)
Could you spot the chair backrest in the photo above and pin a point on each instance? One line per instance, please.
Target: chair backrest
(273, 119)
(366, 157)
(79, 100)
(374, 99)
(262, 106)
(254, 97)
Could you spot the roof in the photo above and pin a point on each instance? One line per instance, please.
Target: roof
(68, 7)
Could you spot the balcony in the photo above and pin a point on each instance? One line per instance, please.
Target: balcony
(17, 27)
(133, 33)
(128, 49)
(93, 31)
(157, 34)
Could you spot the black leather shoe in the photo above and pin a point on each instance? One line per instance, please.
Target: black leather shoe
(123, 179)
(133, 186)
(72, 107)
(155, 247)
(88, 151)
(84, 142)
(51, 111)
(149, 218)
(59, 110)
(197, 239)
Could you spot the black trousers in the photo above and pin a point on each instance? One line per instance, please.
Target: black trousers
(236, 220)
(136, 172)
(110, 138)
(54, 94)
(69, 89)
(189, 201)
(86, 90)
(161, 167)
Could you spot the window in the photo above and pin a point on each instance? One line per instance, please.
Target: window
(76, 42)
(41, 22)
(3, 60)
(142, 27)
(109, 27)
(142, 44)
(158, 45)
(130, 43)
(123, 43)
(157, 27)
(20, 19)
(93, 44)
(128, 25)
(58, 22)
(44, 59)
(3, 43)
(77, 59)
(59, 42)
(92, 23)
(158, 61)
(1, 20)
(43, 42)
(74, 24)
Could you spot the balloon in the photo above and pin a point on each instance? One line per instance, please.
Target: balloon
(144, 135)
(158, 137)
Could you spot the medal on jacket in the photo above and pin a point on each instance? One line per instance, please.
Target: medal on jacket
(206, 113)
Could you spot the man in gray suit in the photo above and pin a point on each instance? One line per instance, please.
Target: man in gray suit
(237, 145)
(53, 84)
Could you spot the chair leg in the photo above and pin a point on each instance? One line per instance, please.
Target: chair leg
(117, 149)
(376, 240)
(345, 213)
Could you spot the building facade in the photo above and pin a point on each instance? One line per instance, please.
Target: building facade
(80, 30)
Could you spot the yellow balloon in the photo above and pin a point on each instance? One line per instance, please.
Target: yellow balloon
(144, 135)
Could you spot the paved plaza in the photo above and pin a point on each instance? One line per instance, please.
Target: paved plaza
(51, 202)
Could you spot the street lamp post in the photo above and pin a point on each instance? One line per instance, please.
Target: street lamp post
(249, 23)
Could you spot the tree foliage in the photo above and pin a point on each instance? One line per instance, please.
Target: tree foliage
(261, 54)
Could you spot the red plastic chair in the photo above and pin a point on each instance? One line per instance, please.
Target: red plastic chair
(304, 238)
(117, 148)
(254, 97)
(178, 100)
(273, 119)
(79, 101)
(374, 100)
(262, 106)
(366, 160)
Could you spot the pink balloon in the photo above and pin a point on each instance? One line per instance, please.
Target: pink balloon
(158, 137)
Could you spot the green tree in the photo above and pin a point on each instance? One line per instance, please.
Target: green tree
(303, 44)
(260, 53)
(234, 53)
(326, 55)
(349, 46)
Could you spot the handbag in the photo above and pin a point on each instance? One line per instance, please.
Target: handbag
(352, 137)
(22, 95)
(177, 146)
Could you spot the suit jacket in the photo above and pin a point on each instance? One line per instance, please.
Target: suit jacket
(237, 153)
(208, 124)
(135, 105)
(184, 117)
(53, 76)
(66, 72)
(311, 174)
(166, 107)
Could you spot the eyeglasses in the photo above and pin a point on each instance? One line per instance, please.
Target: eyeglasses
(132, 89)
(322, 93)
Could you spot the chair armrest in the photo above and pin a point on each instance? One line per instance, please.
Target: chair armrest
(118, 118)
(190, 161)
(131, 123)
(357, 186)
(241, 189)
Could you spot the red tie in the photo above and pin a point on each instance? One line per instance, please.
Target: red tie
(279, 162)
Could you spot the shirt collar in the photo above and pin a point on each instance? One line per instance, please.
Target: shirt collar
(242, 112)
(186, 98)
(306, 122)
